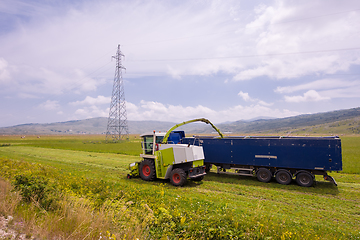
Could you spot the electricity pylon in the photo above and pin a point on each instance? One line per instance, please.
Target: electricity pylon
(117, 128)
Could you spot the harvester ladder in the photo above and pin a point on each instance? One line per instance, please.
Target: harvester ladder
(158, 164)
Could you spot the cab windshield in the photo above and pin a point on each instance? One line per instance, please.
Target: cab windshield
(159, 139)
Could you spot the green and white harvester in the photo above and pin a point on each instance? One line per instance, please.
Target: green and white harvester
(165, 160)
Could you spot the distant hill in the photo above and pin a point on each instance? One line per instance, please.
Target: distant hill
(341, 121)
(286, 124)
(87, 126)
(347, 126)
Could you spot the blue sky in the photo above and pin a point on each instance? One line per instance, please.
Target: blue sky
(222, 60)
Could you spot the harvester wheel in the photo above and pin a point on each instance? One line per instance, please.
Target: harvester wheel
(147, 170)
(264, 175)
(283, 177)
(178, 177)
(305, 179)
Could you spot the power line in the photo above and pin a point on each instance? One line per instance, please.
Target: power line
(320, 16)
(247, 56)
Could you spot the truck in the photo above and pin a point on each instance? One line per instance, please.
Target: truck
(164, 157)
(267, 157)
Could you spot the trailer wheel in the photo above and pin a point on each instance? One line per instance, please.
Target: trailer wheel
(283, 177)
(178, 177)
(304, 179)
(147, 170)
(264, 175)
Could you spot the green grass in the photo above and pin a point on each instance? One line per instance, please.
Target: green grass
(351, 154)
(219, 207)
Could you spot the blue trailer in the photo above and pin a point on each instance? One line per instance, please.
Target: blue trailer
(266, 157)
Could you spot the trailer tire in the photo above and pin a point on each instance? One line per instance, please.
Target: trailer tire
(264, 175)
(208, 167)
(178, 177)
(304, 179)
(147, 170)
(283, 177)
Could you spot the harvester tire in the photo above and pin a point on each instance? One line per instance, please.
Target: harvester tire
(178, 177)
(147, 170)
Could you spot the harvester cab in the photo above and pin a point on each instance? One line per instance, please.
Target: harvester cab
(148, 140)
(165, 157)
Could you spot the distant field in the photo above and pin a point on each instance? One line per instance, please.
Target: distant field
(88, 143)
(220, 207)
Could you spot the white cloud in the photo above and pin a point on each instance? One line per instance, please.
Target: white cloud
(204, 34)
(244, 96)
(294, 27)
(158, 111)
(240, 112)
(163, 112)
(348, 92)
(319, 85)
(93, 107)
(49, 105)
(195, 31)
(265, 103)
(27, 95)
(326, 88)
(30, 81)
(91, 112)
(4, 72)
(309, 96)
(99, 100)
(85, 83)
(173, 72)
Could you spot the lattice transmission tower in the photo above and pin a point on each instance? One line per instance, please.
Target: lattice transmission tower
(117, 128)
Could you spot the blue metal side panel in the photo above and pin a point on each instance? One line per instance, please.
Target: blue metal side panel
(217, 150)
(176, 136)
(298, 153)
(321, 154)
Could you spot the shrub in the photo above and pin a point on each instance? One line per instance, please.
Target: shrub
(36, 189)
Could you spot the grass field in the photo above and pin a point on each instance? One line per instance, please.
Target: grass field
(84, 171)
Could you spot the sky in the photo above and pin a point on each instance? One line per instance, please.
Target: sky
(219, 59)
